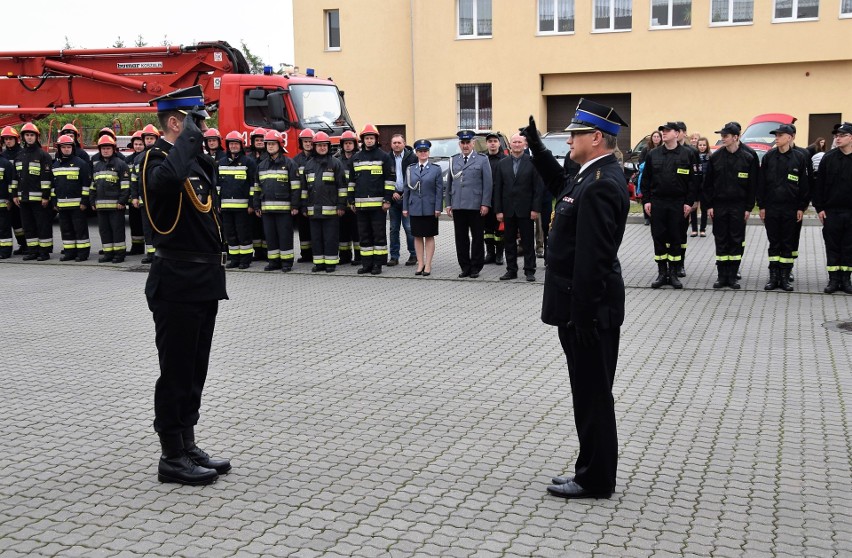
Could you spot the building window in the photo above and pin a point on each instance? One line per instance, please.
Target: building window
(731, 12)
(613, 15)
(332, 30)
(555, 16)
(474, 106)
(671, 13)
(796, 10)
(846, 8)
(474, 18)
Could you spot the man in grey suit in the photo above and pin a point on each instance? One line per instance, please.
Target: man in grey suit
(517, 194)
(468, 200)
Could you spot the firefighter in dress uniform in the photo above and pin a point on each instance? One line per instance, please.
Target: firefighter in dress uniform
(324, 181)
(72, 177)
(31, 193)
(277, 200)
(185, 283)
(237, 181)
(109, 195)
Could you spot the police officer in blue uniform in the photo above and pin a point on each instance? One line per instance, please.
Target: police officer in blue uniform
(583, 287)
(186, 281)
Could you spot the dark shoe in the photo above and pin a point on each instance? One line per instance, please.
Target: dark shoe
(181, 469)
(200, 458)
(733, 276)
(68, 256)
(647, 222)
(364, 270)
(305, 259)
(244, 265)
(784, 283)
(722, 280)
(232, 264)
(427, 273)
(330, 268)
(693, 234)
(136, 249)
(572, 490)
(377, 270)
(106, 258)
(489, 259)
(674, 281)
(702, 233)
(392, 262)
(539, 255)
(83, 258)
(273, 265)
(317, 268)
(285, 268)
(773, 282)
(474, 274)
(662, 276)
(19, 251)
(681, 270)
(412, 260)
(464, 274)
(845, 282)
(833, 283)
(508, 275)
(30, 257)
(790, 277)
(530, 277)
(562, 480)
(418, 272)
(118, 259)
(498, 255)
(42, 257)
(147, 259)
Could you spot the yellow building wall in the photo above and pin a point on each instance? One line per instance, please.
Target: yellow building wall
(702, 75)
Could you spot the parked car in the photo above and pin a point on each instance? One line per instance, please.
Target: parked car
(756, 135)
(557, 143)
(445, 147)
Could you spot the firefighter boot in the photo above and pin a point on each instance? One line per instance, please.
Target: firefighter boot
(662, 276)
(490, 258)
(733, 274)
(178, 467)
(681, 269)
(233, 261)
(82, 254)
(833, 282)
(244, 261)
(377, 269)
(674, 273)
(784, 279)
(200, 457)
(773, 282)
(345, 256)
(106, 258)
(273, 265)
(846, 282)
(498, 253)
(118, 256)
(366, 265)
(722, 279)
(68, 255)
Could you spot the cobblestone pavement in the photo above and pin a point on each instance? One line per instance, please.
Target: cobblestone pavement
(407, 416)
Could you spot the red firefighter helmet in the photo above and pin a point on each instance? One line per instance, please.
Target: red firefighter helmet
(150, 130)
(136, 135)
(212, 133)
(257, 132)
(348, 135)
(29, 127)
(272, 135)
(368, 130)
(307, 133)
(10, 132)
(106, 140)
(233, 136)
(106, 132)
(70, 128)
(65, 139)
(321, 137)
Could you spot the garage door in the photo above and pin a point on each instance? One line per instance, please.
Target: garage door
(560, 111)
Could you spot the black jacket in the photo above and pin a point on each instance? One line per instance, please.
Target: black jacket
(785, 179)
(583, 283)
(669, 175)
(7, 171)
(324, 184)
(278, 186)
(110, 184)
(373, 177)
(237, 181)
(33, 178)
(408, 159)
(731, 179)
(72, 177)
(517, 195)
(834, 182)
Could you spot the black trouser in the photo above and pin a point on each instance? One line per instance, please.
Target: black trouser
(38, 229)
(278, 228)
(781, 226)
(490, 233)
(592, 372)
(183, 334)
(470, 250)
(75, 232)
(373, 235)
(798, 236)
(5, 231)
(526, 227)
(349, 237)
(729, 229)
(237, 226)
(111, 227)
(304, 228)
(694, 219)
(837, 234)
(147, 231)
(17, 227)
(325, 240)
(258, 239)
(667, 230)
(137, 233)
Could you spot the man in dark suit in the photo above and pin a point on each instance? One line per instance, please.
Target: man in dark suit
(517, 196)
(186, 281)
(583, 287)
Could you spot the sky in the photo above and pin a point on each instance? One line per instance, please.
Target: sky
(91, 27)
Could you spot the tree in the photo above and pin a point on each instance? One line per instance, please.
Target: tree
(255, 62)
(118, 43)
(67, 43)
(166, 42)
(140, 42)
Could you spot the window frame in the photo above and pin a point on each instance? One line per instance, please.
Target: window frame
(671, 3)
(611, 28)
(475, 17)
(792, 18)
(478, 108)
(327, 18)
(846, 15)
(555, 31)
(730, 22)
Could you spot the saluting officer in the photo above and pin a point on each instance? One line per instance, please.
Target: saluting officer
(583, 287)
(833, 202)
(468, 200)
(186, 281)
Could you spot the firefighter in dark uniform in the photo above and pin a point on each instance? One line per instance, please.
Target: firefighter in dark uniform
(7, 170)
(134, 213)
(373, 184)
(350, 249)
(783, 195)
(109, 195)
(277, 200)
(493, 235)
(185, 283)
(257, 150)
(150, 135)
(237, 181)
(583, 288)
(729, 186)
(72, 177)
(682, 139)
(833, 203)
(213, 144)
(11, 147)
(31, 192)
(306, 146)
(117, 154)
(71, 130)
(324, 181)
(670, 189)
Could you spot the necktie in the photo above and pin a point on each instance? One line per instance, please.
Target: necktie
(465, 159)
(421, 168)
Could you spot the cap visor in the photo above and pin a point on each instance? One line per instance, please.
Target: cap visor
(578, 127)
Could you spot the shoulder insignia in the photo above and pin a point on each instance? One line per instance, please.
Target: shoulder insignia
(598, 175)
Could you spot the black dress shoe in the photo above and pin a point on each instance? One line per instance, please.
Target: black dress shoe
(244, 265)
(464, 274)
(392, 262)
(377, 270)
(317, 268)
(530, 277)
(330, 268)
(181, 469)
(572, 490)
(30, 257)
(43, 257)
(474, 274)
(412, 260)
(232, 264)
(508, 275)
(562, 480)
(147, 259)
(364, 270)
(200, 458)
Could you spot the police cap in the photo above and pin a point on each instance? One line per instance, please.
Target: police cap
(466, 134)
(590, 116)
(422, 145)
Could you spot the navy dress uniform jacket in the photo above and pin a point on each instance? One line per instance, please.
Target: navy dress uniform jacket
(469, 186)
(424, 190)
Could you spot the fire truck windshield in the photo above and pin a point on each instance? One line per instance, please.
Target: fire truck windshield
(320, 107)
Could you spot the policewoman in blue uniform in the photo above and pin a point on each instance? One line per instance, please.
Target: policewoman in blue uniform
(583, 287)
(422, 200)
(186, 280)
